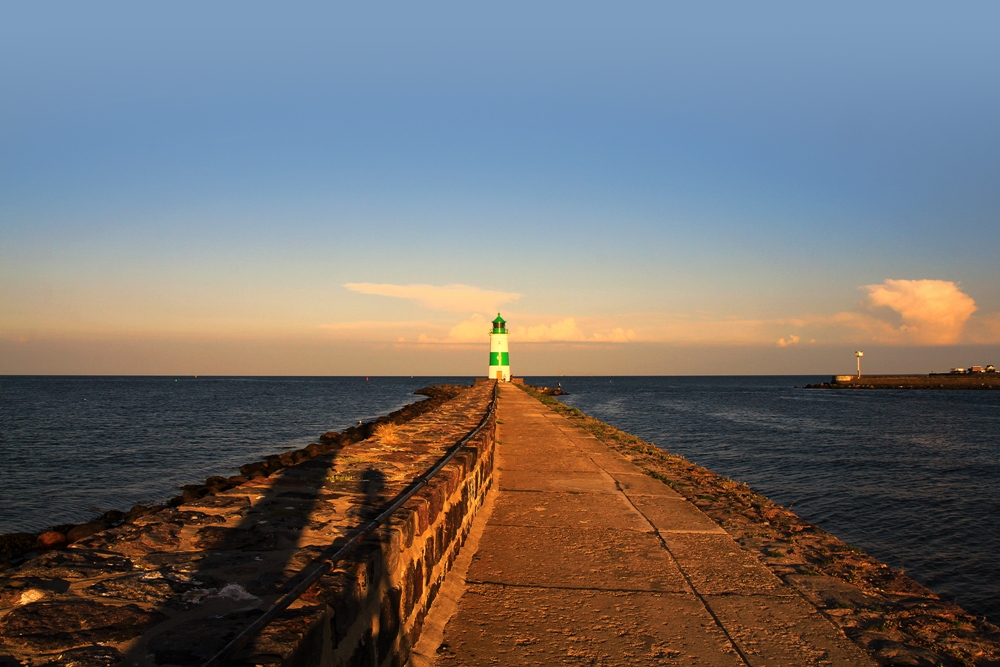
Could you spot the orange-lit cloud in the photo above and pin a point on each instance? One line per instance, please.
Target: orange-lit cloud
(894, 312)
(932, 312)
(616, 335)
(366, 325)
(563, 330)
(448, 298)
(476, 329)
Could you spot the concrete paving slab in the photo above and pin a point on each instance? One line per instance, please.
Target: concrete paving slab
(498, 625)
(581, 482)
(608, 559)
(613, 462)
(784, 632)
(529, 447)
(545, 461)
(535, 446)
(675, 515)
(560, 510)
(716, 564)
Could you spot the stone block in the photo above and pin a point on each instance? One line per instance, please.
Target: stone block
(50, 539)
(46, 627)
(85, 656)
(389, 623)
(434, 492)
(405, 522)
(13, 545)
(73, 564)
(421, 509)
(84, 530)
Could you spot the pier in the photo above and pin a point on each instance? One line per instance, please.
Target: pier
(583, 557)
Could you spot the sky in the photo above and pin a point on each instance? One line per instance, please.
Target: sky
(640, 188)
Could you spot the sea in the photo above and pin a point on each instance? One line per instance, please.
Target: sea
(910, 476)
(74, 447)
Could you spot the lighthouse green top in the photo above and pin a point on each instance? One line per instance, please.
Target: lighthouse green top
(499, 325)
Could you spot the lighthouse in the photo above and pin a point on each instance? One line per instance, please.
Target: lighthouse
(499, 356)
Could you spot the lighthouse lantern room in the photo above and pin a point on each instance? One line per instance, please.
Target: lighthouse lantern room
(499, 356)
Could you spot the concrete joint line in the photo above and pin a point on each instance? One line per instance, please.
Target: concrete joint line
(692, 531)
(578, 528)
(690, 583)
(596, 589)
(753, 594)
(687, 577)
(580, 493)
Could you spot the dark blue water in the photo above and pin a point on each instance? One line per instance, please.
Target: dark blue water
(912, 477)
(71, 447)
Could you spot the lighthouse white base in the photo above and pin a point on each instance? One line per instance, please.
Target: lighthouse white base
(503, 372)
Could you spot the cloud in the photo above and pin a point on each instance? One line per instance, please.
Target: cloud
(893, 312)
(703, 328)
(616, 335)
(932, 312)
(563, 330)
(474, 329)
(567, 330)
(372, 324)
(449, 298)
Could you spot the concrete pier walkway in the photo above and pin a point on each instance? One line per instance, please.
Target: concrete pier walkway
(584, 559)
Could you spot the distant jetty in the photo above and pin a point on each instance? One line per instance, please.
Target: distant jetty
(979, 380)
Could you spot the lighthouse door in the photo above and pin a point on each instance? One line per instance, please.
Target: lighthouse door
(500, 376)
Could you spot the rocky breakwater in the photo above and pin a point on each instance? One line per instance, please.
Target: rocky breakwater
(171, 585)
(937, 381)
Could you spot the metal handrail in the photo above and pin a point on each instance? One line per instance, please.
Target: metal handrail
(328, 564)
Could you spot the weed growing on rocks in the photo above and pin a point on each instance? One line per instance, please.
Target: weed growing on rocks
(387, 433)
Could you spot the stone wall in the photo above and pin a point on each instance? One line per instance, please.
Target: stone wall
(172, 586)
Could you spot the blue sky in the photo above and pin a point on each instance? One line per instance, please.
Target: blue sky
(627, 181)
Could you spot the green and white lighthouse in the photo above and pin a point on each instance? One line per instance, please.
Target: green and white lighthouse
(499, 356)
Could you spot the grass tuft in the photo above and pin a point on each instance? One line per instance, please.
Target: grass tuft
(387, 433)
